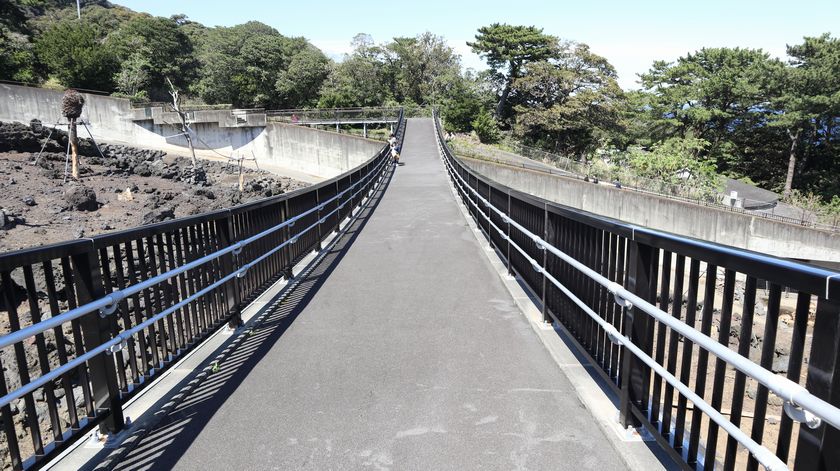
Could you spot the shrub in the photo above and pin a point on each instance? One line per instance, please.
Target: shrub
(486, 128)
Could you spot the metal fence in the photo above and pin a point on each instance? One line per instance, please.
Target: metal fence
(687, 333)
(335, 115)
(91, 321)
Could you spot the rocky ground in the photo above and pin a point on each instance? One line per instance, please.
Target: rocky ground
(125, 188)
(120, 188)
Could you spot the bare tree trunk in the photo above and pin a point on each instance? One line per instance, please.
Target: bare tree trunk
(176, 105)
(186, 132)
(500, 107)
(73, 136)
(794, 141)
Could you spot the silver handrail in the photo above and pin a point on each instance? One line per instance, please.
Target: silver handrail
(800, 404)
(114, 298)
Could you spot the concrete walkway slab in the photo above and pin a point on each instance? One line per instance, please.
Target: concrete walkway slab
(408, 354)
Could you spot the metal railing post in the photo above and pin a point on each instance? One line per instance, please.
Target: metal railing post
(635, 374)
(817, 449)
(509, 263)
(318, 214)
(338, 211)
(287, 249)
(96, 331)
(546, 317)
(230, 262)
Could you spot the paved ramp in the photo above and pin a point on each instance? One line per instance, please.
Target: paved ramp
(408, 354)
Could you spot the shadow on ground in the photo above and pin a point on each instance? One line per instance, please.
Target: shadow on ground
(165, 443)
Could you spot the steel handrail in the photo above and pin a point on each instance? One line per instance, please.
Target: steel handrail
(762, 454)
(109, 302)
(782, 387)
(123, 337)
(792, 393)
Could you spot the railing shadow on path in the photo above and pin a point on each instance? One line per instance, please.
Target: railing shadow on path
(199, 397)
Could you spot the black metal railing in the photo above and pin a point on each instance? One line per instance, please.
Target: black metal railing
(91, 321)
(780, 317)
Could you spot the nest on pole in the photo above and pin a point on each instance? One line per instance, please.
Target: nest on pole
(72, 104)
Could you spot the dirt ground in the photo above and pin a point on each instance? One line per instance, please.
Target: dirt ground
(40, 208)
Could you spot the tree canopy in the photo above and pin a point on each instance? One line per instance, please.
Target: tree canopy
(507, 50)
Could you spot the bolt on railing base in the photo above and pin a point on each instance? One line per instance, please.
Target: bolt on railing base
(110, 441)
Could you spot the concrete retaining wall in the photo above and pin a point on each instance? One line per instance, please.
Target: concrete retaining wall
(700, 222)
(277, 147)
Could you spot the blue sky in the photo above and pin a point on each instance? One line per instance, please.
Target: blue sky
(631, 34)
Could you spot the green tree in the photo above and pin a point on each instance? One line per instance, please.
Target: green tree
(425, 68)
(807, 108)
(253, 65)
(133, 77)
(720, 95)
(160, 48)
(299, 83)
(74, 52)
(461, 108)
(17, 59)
(568, 105)
(508, 50)
(361, 79)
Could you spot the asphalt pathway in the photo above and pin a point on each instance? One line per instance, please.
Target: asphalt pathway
(408, 354)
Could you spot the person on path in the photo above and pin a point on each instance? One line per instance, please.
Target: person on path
(395, 155)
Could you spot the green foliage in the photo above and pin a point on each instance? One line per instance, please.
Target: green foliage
(486, 128)
(459, 112)
(508, 49)
(298, 84)
(424, 68)
(17, 59)
(758, 114)
(568, 105)
(254, 65)
(150, 49)
(807, 110)
(512, 47)
(356, 81)
(75, 53)
(716, 94)
(463, 103)
(678, 162)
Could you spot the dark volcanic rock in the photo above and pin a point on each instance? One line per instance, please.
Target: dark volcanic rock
(80, 198)
(158, 215)
(194, 176)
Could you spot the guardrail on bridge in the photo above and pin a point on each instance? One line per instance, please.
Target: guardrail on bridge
(631, 298)
(92, 321)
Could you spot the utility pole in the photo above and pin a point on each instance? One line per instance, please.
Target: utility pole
(79, 9)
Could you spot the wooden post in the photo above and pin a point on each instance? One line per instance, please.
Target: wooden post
(241, 176)
(72, 135)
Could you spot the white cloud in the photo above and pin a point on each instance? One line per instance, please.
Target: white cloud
(333, 48)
